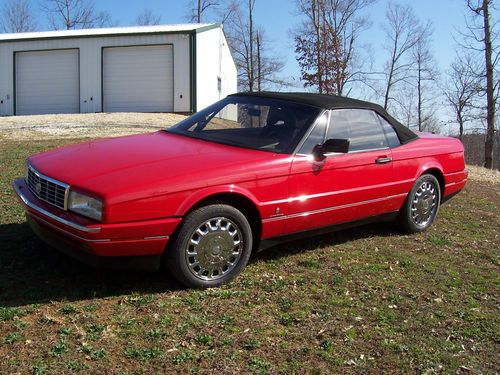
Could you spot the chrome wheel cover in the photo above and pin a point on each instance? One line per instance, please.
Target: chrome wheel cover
(424, 204)
(214, 248)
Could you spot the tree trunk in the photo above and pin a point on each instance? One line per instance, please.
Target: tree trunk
(419, 92)
(68, 17)
(259, 64)
(198, 14)
(250, 25)
(490, 116)
(316, 15)
(460, 124)
(391, 73)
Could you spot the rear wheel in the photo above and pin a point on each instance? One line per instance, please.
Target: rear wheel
(421, 205)
(212, 246)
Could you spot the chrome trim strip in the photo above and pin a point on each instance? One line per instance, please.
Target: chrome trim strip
(55, 182)
(455, 173)
(66, 199)
(94, 241)
(69, 233)
(47, 177)
(455, 183)
(328, 193)
(367, 150)
(334, 208)
(52, 216)
(156, 237)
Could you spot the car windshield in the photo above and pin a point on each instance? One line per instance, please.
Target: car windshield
(251, 122)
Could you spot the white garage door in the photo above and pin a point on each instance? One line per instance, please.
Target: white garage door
(138, 79)
(47, 82)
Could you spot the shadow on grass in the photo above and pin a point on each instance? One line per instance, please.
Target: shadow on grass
(32, 272)
(379, 229)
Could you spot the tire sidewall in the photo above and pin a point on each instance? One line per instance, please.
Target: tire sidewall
(176, 262)
(408, 222)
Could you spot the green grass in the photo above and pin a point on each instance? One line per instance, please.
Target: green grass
(366, 300)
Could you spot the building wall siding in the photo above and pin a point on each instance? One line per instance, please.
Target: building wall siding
(90, 66)
(213, 61)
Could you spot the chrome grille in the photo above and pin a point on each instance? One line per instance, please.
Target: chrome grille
(46, 188)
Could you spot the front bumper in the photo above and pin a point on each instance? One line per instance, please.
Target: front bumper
(98, 244)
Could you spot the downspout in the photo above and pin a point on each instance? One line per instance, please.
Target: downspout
(192, 71)
(220, 62)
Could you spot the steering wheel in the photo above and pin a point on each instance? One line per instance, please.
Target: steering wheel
(279, 124)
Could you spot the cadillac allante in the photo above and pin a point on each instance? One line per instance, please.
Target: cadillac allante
(236, 177)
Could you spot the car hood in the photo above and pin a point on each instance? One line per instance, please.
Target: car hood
(154, 164)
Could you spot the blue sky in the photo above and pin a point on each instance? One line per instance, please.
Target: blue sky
(279, 16)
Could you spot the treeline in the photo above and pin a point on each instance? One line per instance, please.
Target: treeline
(327, 38)
(474, 149)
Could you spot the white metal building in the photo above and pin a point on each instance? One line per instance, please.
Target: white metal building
(168, 68)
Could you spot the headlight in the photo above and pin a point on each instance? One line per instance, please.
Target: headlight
(85, 205)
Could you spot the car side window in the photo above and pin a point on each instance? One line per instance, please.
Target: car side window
(317, 135)
(390, 133)
(360, 126)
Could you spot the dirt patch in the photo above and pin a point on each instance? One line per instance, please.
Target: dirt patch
(83, 125)
(481, 174)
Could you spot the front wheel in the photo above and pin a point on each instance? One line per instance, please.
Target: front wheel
(212, 246)
(421, 205)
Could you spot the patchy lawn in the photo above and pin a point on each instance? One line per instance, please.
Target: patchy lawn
(367, 300)
(83, 125)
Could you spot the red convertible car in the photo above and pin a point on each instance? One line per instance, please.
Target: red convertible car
(238, 176)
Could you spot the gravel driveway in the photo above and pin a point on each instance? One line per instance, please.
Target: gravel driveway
(83, 125)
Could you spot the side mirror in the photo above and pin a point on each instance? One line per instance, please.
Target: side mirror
(330, 146)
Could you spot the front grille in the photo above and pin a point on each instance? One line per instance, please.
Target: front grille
(47, 189)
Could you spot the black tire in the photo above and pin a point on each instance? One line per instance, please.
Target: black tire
(409, 219)
(216, 228)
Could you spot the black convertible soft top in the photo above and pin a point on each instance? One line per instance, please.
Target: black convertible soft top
(336, 102)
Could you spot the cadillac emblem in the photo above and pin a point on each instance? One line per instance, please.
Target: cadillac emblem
(38, 187)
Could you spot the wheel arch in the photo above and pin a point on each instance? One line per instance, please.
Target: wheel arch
(239, 199)
(438, 173)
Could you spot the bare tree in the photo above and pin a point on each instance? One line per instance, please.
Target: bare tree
(405, 105)
(75, 14)
(17, 17)
(200, 8)
(426, 75)
(481, 35)
(403, 31)
(147, 17)
(257, 66)
(326, 43)
(461, 90)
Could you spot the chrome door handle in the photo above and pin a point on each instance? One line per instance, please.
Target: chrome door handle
(383, 160)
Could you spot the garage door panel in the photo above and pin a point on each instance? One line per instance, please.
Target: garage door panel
(138, 79)
(47, 82)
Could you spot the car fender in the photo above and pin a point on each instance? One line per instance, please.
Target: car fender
(199, 195)
(428, 165)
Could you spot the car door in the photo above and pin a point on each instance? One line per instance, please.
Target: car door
(342, 187)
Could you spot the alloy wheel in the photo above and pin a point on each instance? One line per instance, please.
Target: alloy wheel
(424, 204)
(214, 248)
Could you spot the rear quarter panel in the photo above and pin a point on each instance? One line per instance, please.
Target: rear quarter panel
(430, 152)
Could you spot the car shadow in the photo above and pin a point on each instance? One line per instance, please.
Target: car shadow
(313, 242)
(32, 272)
